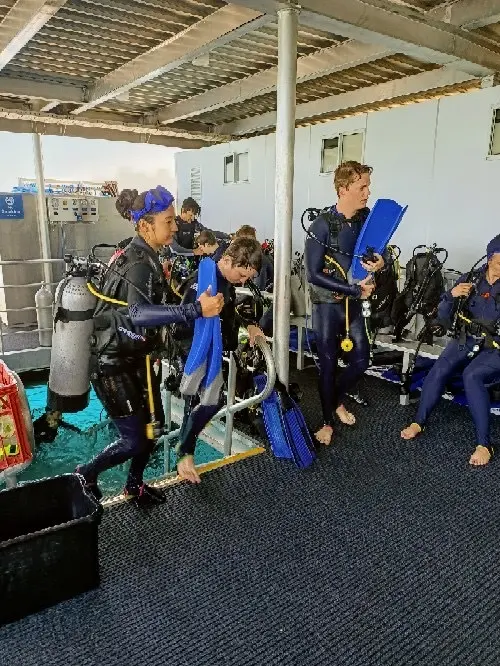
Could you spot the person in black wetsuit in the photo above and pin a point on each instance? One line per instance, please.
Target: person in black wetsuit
(188, 227)
(240, 262)
(328, 256)
(128, 332)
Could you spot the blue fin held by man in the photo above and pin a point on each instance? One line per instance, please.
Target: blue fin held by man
(377, 231)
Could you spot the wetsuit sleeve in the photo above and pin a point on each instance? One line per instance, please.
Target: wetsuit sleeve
(144, 313)
(315, 262)
(219, 235)
(447, 303)
(178, 249)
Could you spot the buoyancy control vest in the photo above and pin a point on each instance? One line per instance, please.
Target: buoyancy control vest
(386, 289)
(114, 334)
(337, 259)
(424, 285)
(464, 323)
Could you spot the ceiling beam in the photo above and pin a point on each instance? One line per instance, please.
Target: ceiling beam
(40, 90)
(468, 14)
(333, 59)
(104, 121)
(224, 25)
(398, 28)
(409, 85)
(21, 23)
(47, 129)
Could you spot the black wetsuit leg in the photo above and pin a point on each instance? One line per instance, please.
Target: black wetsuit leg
(482, 370)
(327, 325)
(359, 358)
(451, 359)
(124, 397)
(141, 459)
(196, 417)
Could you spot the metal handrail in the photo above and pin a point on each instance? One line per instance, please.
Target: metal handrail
(232, 406)
(13, 262)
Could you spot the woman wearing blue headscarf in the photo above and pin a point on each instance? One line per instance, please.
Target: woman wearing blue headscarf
(135, 301)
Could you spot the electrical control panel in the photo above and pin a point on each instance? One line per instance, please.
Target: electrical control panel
(66, 210)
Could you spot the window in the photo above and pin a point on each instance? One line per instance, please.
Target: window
(495, 134)
(236, 168)
(330, 155)
(229, 169)
(340, 149)
(241, 168)
(352, 147)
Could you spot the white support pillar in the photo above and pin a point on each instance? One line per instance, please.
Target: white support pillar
(41, 209)
(285, 142)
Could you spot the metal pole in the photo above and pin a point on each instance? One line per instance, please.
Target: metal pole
(231, 392)
(41, 208)
(285, 142)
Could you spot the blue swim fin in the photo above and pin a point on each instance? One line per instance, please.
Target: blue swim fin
(285, 426)
(273, 421)
(376, 233)
(298, 435)
(203, 368)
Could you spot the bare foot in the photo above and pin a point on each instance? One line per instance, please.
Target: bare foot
(481, 456)
(345, 416)
(324, 435)
(187, 471)
(411, 431)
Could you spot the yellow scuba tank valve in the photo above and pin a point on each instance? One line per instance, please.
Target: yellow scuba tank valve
(347, 344)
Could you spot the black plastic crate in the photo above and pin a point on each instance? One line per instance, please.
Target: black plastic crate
(48, 544)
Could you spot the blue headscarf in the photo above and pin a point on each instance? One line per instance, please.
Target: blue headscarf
(155, 201)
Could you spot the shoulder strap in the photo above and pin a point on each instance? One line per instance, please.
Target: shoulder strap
(334, 228)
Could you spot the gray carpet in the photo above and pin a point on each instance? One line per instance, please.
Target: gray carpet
(382, 553)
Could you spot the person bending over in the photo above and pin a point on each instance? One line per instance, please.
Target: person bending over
(240, 262)
(135, 304)
(476, 350)
(336, 304)
(207, 245)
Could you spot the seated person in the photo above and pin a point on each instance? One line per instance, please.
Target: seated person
(473, 351)
(240, 262)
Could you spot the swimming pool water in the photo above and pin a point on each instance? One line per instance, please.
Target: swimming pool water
(71, 448)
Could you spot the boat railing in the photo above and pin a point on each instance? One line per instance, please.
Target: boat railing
(27, 325)
(233, 404)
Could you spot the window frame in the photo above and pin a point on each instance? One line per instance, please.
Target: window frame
(495, 110)
(340, 136)
(235, 155)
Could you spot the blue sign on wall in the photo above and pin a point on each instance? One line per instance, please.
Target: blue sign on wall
(11, 207)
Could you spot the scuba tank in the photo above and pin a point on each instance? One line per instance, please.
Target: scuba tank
(44, 302)
(422, 291)
(386, 289)
(69, 378)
